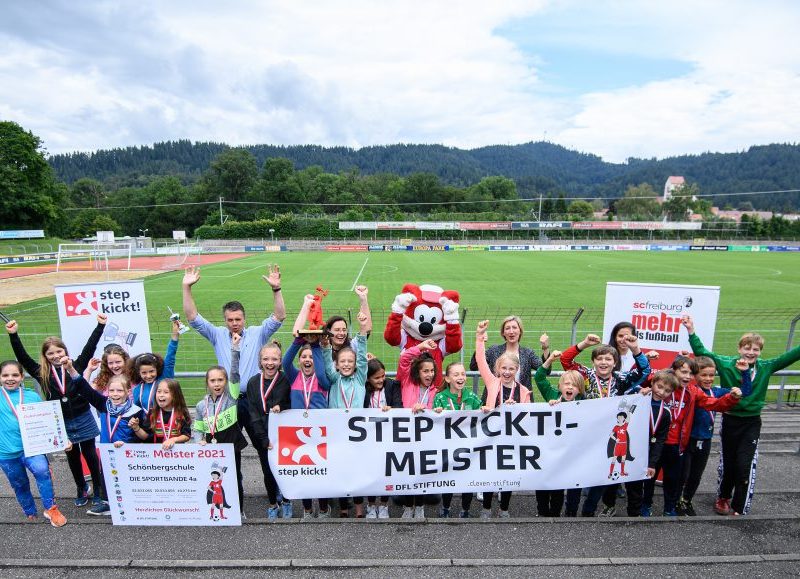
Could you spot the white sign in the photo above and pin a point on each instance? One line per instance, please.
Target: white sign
(190, 484)
(124, 304)
(41, 425)
(361, 452)
(656, 310)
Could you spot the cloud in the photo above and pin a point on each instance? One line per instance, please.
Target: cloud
(88, 75)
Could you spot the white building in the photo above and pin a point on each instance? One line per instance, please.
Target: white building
(673, 182)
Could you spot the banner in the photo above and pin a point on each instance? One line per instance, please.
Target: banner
(656, 310)
(368, 452)
(124, 304)
(190, 484)
(42, 428)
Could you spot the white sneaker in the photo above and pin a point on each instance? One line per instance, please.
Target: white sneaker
(383, 512)
(504, 514)
(308, 515)
(486, 513)
(408, 513)
(324, 514)
(372, 512)
(479, 497)
(419, 512)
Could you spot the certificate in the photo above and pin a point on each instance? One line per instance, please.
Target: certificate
(42, 427)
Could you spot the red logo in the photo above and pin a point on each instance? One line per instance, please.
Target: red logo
(302, 445)
(80, 303)
(389, 488)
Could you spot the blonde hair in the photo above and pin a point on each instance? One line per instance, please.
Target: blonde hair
(512, 319)
(122, 379)
(751, 338)
(513, 358)
(573, 378)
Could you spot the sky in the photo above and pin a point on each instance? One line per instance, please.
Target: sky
(614, 78)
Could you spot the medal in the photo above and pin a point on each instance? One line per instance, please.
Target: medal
(60, 382)
(653, 440)
(213, 441)
(347, 403)
(212, 426)
(264, 395)
(654, 424)
(307, 388)
(305, 414)
(64, 399)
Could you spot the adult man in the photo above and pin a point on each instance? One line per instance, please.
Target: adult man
(253, 337)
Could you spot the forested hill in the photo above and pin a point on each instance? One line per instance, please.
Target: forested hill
(536, 167)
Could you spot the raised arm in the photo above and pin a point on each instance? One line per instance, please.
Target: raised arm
(31, 366)
(190, 277)
(489, 379)
(172, 351)
(81, 387)
(273, 278)
(546, 389)
(91, 344)
(363, 305)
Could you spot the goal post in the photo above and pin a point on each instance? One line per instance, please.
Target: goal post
(94, 256)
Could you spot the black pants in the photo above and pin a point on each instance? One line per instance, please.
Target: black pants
(413, 500)
(308, 504)
(88, 450)
(237, 456)
(505, 500)
(670, 463)
(739, 458)
(634, 491)
(550, 503)
(466, 500)
(243, 417)
(573, 501)
(694, 463)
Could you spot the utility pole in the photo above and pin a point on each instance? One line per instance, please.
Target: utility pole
(221, 222)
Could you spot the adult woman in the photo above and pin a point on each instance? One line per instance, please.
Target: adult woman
(511, 331)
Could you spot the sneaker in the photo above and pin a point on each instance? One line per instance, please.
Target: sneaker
(243, 515)
(486, 513)
(419, 512)
(671, 513)
(383, 512)
(307, 515)
(479, 497)
(444, 513)
(463, 515)
(688, 509)
(32, 518)
(99, 508)
(722, 506)
(55, 517)
(83, 496)
(646, 511)
(608, 512)
(286, 510)
(324, 514)
(372, 512)
(408, 513)
(504, 514)
(272, 513)
(735, 514)
(680, 508)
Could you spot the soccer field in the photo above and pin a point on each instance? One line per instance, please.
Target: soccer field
(758, 292)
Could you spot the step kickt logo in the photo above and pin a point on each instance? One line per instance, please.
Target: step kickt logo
(302, 445)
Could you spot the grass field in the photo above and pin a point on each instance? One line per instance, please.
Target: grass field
(759, 291)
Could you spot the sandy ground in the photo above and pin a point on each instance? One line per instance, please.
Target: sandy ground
(22, 289)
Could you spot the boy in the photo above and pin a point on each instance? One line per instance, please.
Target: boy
(741, 427)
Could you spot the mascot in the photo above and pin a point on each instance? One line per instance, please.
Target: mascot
(425, 312)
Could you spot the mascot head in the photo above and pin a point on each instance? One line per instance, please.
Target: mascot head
(423, 318)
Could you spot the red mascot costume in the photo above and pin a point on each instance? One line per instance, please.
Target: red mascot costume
(422, 313)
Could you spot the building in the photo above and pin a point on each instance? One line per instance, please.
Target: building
(673, 182)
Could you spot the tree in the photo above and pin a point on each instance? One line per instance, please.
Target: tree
(580, 211)
(638, 204)
(29, 195)
(89, 221)
(232, 176)
(87, 193)
(680, 204)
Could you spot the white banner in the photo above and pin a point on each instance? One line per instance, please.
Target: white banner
(124, 304)
(42, 427)
(517, 447)
(188, 485)
(656, 310)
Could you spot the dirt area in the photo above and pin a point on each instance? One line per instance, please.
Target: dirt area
(22, 289)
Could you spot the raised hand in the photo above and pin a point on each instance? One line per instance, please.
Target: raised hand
(742, 365)
(235, 340)
(688, 323)
(191, 276)
(402, 301)
(653, 355)
(102, 319)
(449, 309)
(592, 339)
(428, 345)
(544, 342)
(361, 292)
(12, 327)
(481, 330)
(273, 277)
(93, 364)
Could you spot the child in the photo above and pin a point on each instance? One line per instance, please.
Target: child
(147, 370)
(12, 458)
(570, 387)
(741, 427)
(348, 378)
(383, 393)
(681, 404)
(113, 363)
(617, 340)
(696, 456)
(419, 377)
(57, 385)
(116, 407)
(269, 391)
(501, 388)
(216, 418)
(662, 387)
(168, 421)
(454, 396)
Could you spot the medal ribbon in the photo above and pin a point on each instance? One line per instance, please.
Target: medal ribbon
(347, 403)
(375, 399)
(269, 389)
(675, 414)
(500, 400)
(307, 388)
(111, 431)
(654, 425)
(11, 404)
(212, 427)
(424, 399)
(150, 397)
(166, 431)
(60, 381)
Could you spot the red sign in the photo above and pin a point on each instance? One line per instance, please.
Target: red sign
(302, 445)
(80, 303)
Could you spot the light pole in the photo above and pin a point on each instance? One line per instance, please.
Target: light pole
(143, 232)
(272, 236)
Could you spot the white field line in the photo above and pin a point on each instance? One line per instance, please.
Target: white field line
(355, 282)
(237, 273)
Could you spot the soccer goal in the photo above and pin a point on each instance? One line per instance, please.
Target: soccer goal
(94, 256)
(177, 253)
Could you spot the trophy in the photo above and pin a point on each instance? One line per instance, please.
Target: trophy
(313, 314)
(175, 317)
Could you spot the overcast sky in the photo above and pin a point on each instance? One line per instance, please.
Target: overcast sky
(615, 78)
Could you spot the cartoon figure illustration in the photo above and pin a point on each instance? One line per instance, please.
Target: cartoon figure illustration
(619, 450)
(215, 496)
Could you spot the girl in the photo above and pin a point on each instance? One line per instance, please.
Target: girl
(570, 387)
(347, 380)
(501, 388)
(13, 461)
(309, 389)
(147, 370)
(337, 325)
(57, 385)
(454, 397)
(113, 362)
(268, 391)
(419, 377)
(168, 421)
(216, 418)
(511, 331)
(119, 416)
(383, 393)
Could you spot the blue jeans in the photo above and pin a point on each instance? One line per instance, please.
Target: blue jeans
(18, 478)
